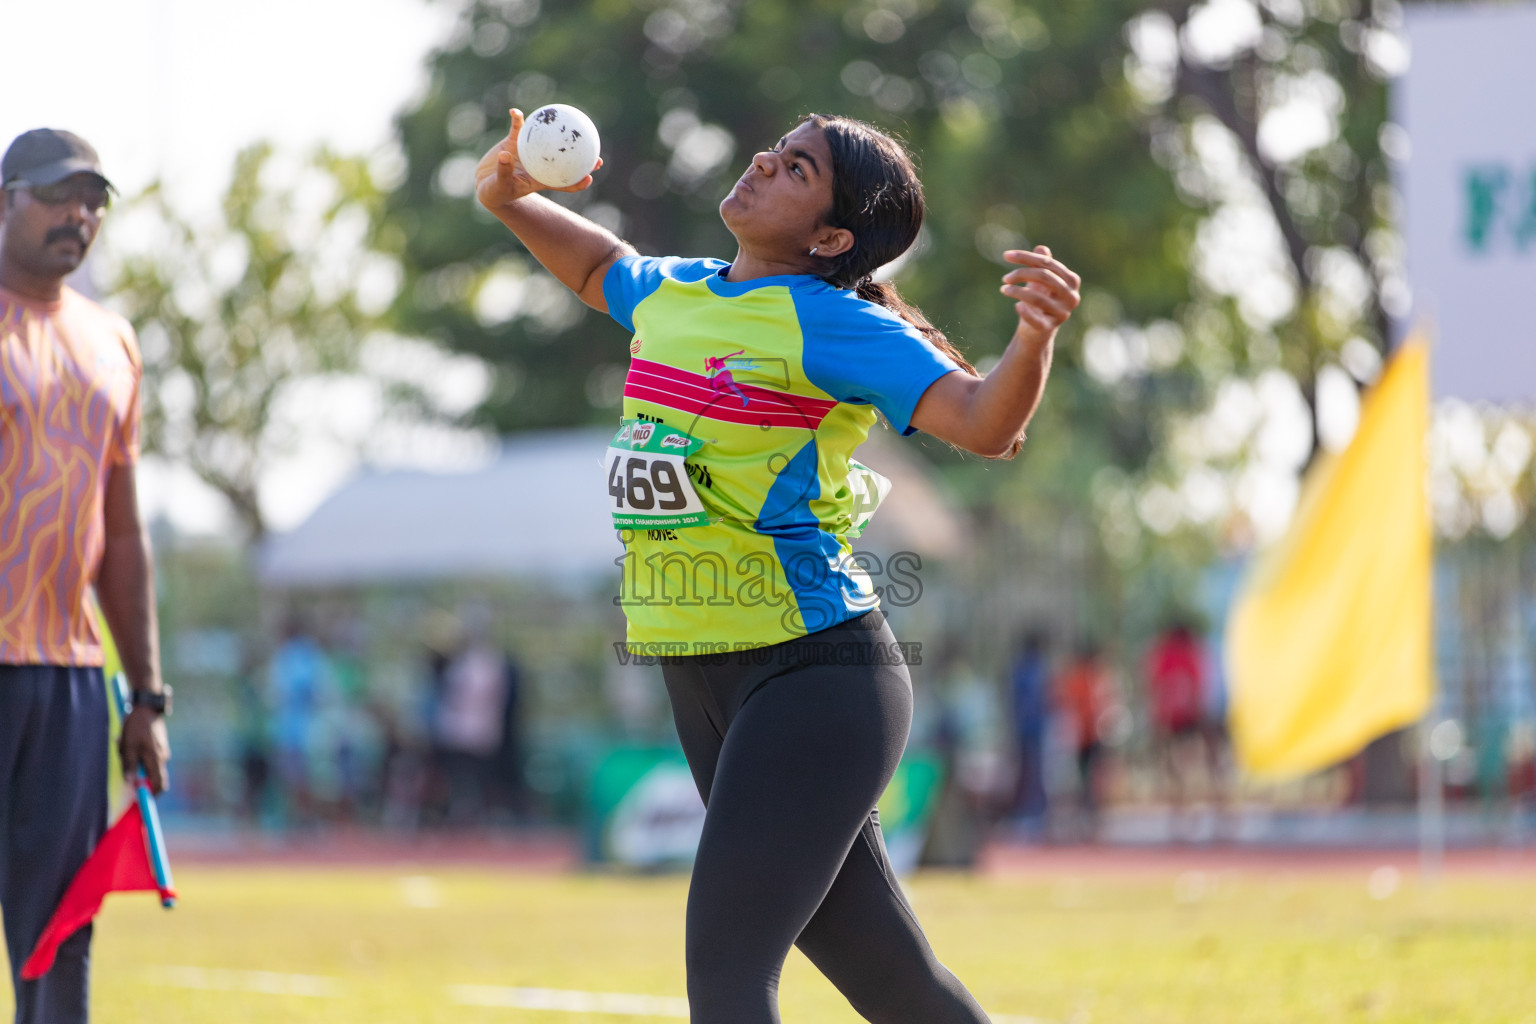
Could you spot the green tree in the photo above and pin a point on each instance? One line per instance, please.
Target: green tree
(284, 286)
(1027, 128)
(1329, 196)
(1020, 115)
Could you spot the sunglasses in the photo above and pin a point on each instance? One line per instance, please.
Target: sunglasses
(95, 197)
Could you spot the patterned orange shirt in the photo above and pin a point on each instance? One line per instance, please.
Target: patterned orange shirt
(69, 411)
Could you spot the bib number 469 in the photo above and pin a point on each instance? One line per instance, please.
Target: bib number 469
(641, 482)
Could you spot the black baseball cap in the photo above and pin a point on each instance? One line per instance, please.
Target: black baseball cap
(43, 156)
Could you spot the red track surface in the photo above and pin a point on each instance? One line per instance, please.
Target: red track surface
(999, 859)
(553, 851)
(347, 846)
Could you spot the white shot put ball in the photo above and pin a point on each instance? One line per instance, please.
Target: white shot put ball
(558, 145)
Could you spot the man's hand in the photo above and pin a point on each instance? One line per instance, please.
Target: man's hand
(501, 179)
(1045, 290)
(145, 743)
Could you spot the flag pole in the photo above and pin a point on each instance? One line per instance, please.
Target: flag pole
(154, 838)
(1431, 803)
(1431, 765)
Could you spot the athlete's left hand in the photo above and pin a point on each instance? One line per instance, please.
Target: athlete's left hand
(1045, 292)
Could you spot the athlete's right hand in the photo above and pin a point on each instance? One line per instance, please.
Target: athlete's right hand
(500, 177)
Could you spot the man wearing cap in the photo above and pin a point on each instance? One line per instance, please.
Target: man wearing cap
(69, 524)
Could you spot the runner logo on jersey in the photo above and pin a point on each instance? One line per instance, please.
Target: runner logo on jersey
(721, 378)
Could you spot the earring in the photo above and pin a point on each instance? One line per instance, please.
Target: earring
(813, 250)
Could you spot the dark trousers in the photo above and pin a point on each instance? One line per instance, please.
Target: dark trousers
(1029, 797)
(791, 747)
(53, 810)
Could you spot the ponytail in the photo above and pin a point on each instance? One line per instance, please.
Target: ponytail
(877, 196)
(883, 293)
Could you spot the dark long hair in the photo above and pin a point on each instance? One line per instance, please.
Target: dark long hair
(877, 196)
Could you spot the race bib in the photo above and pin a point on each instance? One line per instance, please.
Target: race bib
(648, 485)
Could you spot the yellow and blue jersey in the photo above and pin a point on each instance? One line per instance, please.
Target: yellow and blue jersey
(780, 379)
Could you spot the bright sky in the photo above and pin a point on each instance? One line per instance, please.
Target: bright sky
(174, 88)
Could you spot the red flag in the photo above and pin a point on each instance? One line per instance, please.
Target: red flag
(120, 863)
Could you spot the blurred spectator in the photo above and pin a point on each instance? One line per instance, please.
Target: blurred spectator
(1176, 681)
(509, 789)
(1085, 700)
(352, 737)
(472, 718)
(297, 679)
(1216, 737)
(960, 716)
(1029, 688)
(251, 740)
(1183, 741)
(409, 736)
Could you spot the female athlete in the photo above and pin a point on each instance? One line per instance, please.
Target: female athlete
(750, 385)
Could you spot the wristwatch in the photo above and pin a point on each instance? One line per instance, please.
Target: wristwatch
(158, 701)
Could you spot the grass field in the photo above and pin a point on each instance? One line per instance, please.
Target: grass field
(356, 945)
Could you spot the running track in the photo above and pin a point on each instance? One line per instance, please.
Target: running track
(555, 852)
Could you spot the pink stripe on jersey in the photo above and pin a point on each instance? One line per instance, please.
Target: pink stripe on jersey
(697, 394)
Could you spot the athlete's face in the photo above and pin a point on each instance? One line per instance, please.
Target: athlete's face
(780, 207)
(46, 232)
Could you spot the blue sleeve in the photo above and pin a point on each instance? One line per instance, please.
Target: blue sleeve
(857, 351)
(632, 278)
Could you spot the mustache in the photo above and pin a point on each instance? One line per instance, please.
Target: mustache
(68, 231)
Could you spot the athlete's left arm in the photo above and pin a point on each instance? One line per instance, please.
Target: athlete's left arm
(986, 415)
(125, 587)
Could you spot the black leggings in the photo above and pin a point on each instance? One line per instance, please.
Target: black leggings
(791, 746)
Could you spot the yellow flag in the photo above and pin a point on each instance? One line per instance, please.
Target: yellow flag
(1329, 642)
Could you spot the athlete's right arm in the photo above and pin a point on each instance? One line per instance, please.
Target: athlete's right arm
(572, 248)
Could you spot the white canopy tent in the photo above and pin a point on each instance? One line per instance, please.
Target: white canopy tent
(539, 510)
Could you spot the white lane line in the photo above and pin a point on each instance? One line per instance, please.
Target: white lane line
(567, 1000)
(219, 979)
